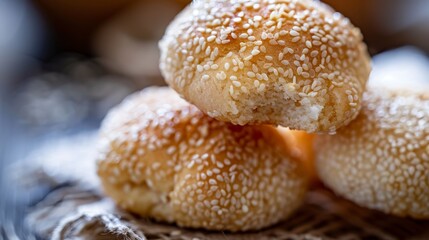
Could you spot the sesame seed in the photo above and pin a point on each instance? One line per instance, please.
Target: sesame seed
(221, 76)
(317, 43)
(244, 35)
(294, 33)
(255, 52)
(256, 83)
(237, 19)
(211, 38)
(236, 83)
(226, 66)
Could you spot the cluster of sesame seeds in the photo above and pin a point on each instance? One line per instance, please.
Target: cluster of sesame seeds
(258, 46)
(208, 173)
(381, 160)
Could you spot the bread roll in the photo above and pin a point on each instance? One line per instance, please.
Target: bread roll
(161, 157)
(132, 35)
(381, 160)
(292, 63)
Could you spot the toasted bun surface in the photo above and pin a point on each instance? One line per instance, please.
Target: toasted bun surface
(163, 158)
(302, 143)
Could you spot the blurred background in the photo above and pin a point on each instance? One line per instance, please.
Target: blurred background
(64, 63)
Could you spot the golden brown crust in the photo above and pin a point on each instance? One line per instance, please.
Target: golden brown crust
(381, 160)
(292, 63)
(163, 158)
(302, 142)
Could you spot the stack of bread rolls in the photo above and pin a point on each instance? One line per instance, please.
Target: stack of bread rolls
(207, 152)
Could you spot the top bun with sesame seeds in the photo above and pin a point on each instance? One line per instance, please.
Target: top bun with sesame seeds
(161, 157)
(381, 159)
(292, 63)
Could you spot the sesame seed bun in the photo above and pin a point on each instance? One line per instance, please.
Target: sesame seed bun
(292, 63)
(163, 158)
(381, 159)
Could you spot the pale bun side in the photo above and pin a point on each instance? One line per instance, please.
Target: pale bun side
(381, 159)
